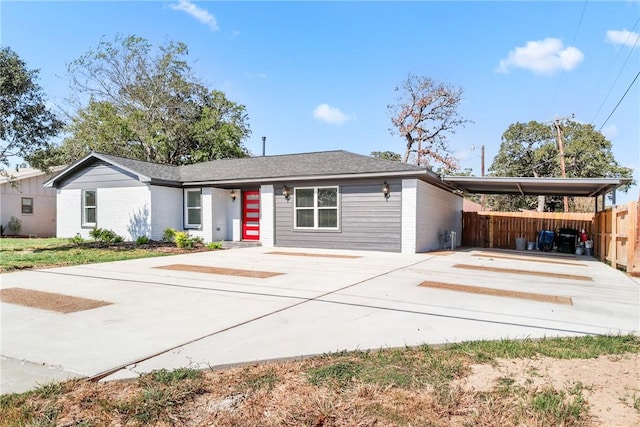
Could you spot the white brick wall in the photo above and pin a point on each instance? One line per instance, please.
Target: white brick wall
(125, 210)
(220, 198)
(409, 199)
(166, 210)
(68, 212)
(437, 210)
(267, 215)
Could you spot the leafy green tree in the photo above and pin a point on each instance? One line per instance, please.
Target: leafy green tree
(424, 114)
(142, 103)
(26, 124)
(387, 155)
(531, 150)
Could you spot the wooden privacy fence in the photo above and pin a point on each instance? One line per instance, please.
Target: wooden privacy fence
(614, 231)
(500, 229)
(615, 237)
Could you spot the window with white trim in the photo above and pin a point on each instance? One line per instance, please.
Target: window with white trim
(89, 208)
(26, 204)
(316, 208)
(193, 208)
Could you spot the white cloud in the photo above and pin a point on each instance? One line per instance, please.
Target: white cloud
(542, 57)
(329, 114)
(200, 14)
(627, 38)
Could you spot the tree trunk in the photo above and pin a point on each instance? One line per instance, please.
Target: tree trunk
(409, 145)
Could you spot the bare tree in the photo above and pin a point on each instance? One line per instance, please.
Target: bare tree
(425, 113)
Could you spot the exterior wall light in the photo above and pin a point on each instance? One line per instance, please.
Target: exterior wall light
(286, 192)
(386, 191)
(233, 196)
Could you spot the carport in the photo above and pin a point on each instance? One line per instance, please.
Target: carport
(614, 231)
(531, 186)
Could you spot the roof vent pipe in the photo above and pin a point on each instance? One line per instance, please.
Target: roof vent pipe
(264, 140)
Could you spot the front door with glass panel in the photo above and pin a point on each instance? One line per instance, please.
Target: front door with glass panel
(250, 215)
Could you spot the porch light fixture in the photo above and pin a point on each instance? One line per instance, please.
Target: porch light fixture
(286, 192)
(386, 191)
(232, 194)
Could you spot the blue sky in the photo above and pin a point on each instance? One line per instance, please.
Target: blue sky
(319, 75)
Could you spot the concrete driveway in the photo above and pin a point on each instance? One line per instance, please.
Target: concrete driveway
(203, 311)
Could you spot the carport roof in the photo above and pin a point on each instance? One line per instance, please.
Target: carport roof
(578, 187)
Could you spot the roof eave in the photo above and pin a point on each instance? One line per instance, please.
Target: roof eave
(55, 180)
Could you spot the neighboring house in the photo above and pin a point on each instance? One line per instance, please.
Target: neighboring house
(332, 199)
(24, 197)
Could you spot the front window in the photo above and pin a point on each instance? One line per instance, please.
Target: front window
(193, 208)
(89, 207)
(27, 205)
(316, 208)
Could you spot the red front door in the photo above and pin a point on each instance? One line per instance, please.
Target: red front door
(250, 215)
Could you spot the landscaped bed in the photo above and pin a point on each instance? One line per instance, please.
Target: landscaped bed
(569, 382)
(23, 253)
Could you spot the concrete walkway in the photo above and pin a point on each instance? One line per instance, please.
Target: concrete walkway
(336, 300)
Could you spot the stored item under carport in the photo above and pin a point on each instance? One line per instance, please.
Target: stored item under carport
(545, 240)
(567, 240)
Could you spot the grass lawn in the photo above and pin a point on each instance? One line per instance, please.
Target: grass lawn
(18, 254)
(426, 386)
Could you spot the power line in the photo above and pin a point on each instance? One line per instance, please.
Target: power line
(616, 107)
(621, 68)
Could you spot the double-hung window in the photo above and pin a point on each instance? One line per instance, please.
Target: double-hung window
(193, 208)
(316, 208)
(89, 208)
(27, 205)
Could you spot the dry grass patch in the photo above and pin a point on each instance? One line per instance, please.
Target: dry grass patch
(48, 300)
(390, 387)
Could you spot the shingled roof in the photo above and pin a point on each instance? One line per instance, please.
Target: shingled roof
(290, 167)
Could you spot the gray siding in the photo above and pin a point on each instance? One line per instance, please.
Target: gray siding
(367, 220)
(101, 175)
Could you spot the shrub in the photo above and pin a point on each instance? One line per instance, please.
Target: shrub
(77, 239)
(14, 227)
(105, 236)
(169, 234)
(183, 240)
(95, 233)
(142, 240)
(214, 245)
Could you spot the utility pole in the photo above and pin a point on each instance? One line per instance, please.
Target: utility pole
(561, 151)
(482, 196)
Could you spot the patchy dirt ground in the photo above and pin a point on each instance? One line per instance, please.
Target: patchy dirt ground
(611, 384)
